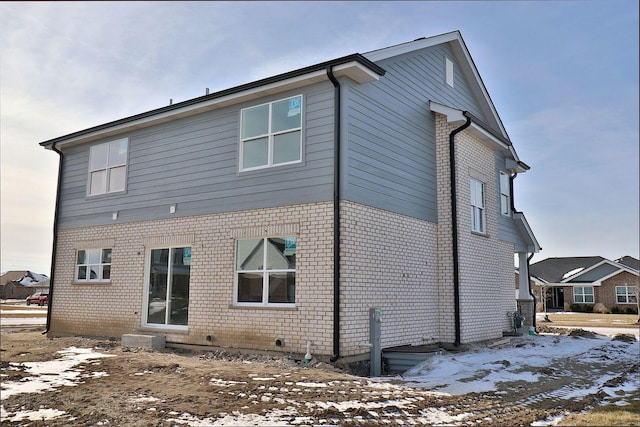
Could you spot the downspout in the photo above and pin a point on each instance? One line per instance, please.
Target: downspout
(454, 227)
(336, 215)
(514, 210)
(535, 304)
(55, 236)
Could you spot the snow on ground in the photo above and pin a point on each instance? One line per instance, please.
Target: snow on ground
(483, 369)
(46, 376)
(23, 321)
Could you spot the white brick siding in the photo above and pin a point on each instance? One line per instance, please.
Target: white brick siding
(388, 261)
(116, 308)
(485, 262)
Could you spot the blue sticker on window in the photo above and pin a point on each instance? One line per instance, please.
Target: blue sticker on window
(294, 106)
(289, 246)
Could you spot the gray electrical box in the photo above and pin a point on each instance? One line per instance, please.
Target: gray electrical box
(375, 321)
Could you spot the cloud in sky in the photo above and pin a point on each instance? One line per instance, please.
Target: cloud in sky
(563, 77)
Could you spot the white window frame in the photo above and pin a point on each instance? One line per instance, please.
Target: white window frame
(505, 194)
(270, 135)
(630, 293)
(265, 271)
(147, 278)
(478, 210)
(99, 266)
(583, 295)
(107, 168)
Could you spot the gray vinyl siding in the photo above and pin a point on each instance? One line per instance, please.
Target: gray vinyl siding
(193, 163)
(389, 133)
(507, 229)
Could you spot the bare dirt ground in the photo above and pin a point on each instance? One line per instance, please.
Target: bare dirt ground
(165, 388)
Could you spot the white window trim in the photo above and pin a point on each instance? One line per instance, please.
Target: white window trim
(583, 294)
(270, 137)
(101, 265)
(478, 212)
(145, 299)
(108, 169)
(630, 291)
(505, 194)
(265, 279)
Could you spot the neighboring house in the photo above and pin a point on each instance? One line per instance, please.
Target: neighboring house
(279, 212)
(586, 281)
(21, 284)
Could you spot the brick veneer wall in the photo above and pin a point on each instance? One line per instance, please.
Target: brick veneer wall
(387, 261)
(116, 308)
(607, 291)
(485, 263)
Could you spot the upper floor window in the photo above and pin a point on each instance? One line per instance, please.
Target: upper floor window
(93, 265)
(505, 194)
(626, 294)
(108, 167)
(271, 134)
(478, 214)
(265, 272)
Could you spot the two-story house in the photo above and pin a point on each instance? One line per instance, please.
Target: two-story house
(277, 213)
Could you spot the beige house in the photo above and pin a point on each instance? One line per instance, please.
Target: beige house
(276, 214)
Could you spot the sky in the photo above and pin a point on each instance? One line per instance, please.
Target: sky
(563, 76)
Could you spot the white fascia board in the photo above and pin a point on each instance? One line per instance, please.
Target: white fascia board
(457, 116)
(400, 49)
(189, 110)
(573, 285)
(356, 72)
(534, 245)
(453, 115)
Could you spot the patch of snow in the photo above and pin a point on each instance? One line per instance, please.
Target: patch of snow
(42, 414)
(553, 421)
(480, 370)
(50, 374)
(317, 385)
(20, 321)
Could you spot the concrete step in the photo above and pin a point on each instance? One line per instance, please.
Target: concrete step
(148, 341)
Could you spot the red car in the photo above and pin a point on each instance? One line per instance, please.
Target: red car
(40, 298)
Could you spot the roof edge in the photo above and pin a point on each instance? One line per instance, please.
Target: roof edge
(356, 57)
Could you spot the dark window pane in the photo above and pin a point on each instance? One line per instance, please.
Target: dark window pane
(82, 272)
(282, 287)
(106, 272)
(81, 257)
(249, 287)
(106, 256)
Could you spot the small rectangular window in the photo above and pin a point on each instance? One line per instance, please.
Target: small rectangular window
(271, 134)
(478, 215)
(93, 265)
(265, 271)
(108, 167)
(505, 194)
